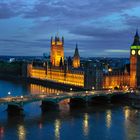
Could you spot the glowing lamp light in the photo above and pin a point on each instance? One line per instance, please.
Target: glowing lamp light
(43, 91)
(70, 89)
(132, 91)
(9, 93)
(110, 70)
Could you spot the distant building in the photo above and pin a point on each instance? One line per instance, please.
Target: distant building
(76, 58)
(93, 76)
(116, 79)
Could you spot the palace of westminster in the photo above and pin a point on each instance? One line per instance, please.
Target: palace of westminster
(72, 72)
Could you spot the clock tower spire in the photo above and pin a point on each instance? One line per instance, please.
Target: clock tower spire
(135, 62)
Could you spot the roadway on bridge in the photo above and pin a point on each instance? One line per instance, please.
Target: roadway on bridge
(41, 97)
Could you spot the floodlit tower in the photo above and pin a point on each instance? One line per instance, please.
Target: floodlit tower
(57, 51)
(135, 62)
(76, 58)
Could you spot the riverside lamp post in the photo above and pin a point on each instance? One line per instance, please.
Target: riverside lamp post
(21, 97)
(43, 91)
(70, 89)
(9, 93)
(93, 88)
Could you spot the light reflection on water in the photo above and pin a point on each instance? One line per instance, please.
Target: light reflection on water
(108, 118)
(1, 132)
(38, 89)
(21, 132)
(57, 125)
(132, 123)
(86, 123)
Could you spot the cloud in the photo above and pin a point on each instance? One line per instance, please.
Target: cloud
(78, 8)
(132, 21)
(102, 27)
(9, 9)
(104, 34)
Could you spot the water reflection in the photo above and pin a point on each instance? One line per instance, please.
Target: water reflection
(126, 113)
(21, 132)
(36, 125)
(57, 125)
(132, 123)
(40, 125)
(38, 89)
(86, 124)
(108, 118)
(1, 132)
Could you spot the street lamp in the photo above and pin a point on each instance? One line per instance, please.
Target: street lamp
(93, 88)
(57, 94)
(9, 93)
(43, 91)
(70, 89)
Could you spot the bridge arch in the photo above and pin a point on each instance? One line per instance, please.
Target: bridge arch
(119, 98)
(49, 105)
(100, 99)
(78, 101)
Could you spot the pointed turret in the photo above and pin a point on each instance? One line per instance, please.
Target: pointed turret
(76, 54)
(125, 70)
(76, 58)
(63, 40)
(51, 39)
(136, 39)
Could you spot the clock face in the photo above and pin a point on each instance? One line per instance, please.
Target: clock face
(133, 52)
(138, 52)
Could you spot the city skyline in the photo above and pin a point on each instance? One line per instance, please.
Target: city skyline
(27, 27)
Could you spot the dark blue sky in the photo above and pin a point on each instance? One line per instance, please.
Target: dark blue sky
(100, 27)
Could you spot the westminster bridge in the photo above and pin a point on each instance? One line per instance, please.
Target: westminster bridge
(16, 104)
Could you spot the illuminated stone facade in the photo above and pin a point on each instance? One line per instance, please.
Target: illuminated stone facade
(57, 71)
(75, 78)
(76, 58)
(57, 51)
(123, 79)
(118, 80)
(92, 75)
(37, 89)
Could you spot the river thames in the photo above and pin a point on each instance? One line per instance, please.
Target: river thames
(104, 122)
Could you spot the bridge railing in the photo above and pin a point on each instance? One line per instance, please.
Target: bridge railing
(33, 97)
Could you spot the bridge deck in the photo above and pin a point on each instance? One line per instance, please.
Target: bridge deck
(40, 97)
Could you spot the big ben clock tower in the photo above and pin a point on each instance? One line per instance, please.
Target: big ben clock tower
(135, 62)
